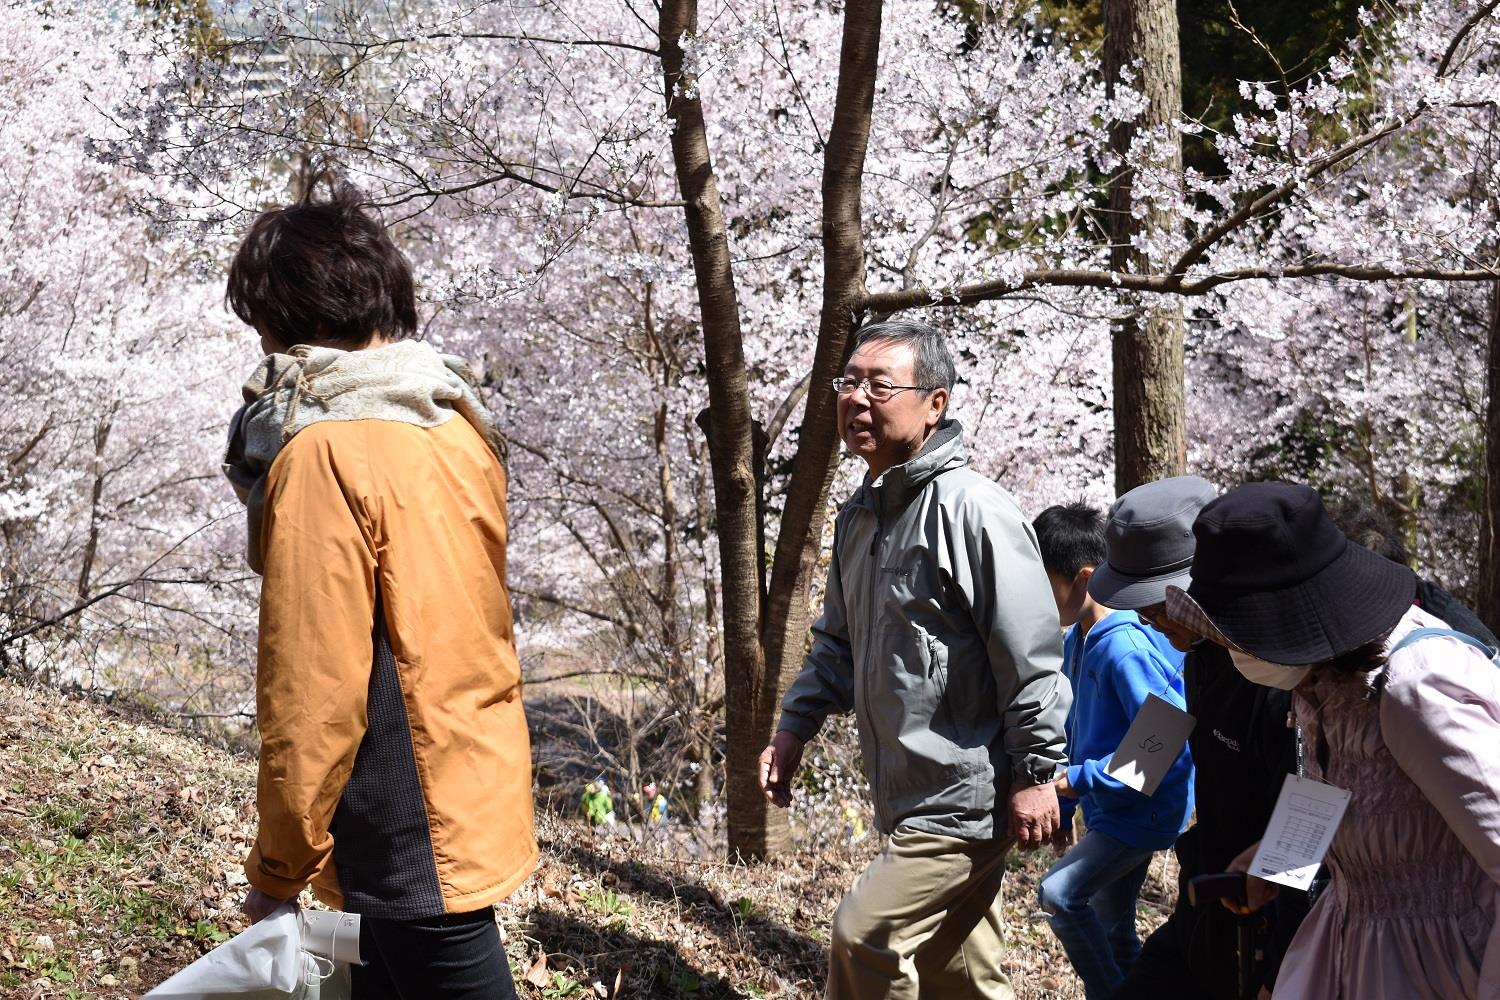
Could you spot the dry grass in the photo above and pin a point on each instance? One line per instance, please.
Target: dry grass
(606, 911)
(120, 845)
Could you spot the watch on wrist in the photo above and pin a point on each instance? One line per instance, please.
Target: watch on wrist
(1040, 774)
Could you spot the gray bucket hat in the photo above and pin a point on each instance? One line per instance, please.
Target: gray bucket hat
(1148, 542)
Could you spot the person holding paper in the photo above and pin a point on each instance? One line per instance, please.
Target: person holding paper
(395, 768)
(1119, 669)
(1407, 729)
(1243, 747)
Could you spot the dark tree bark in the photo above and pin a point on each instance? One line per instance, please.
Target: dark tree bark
(800, 537)
(763, 644)
(96, 496)
(731, 441)
(1149, 408)
(1488, 602)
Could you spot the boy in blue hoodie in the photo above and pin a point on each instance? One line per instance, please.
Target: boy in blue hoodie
(1114, 661)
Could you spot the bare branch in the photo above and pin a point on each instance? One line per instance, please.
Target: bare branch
(36, 289)
(784, 411)
(1165, 284)
(633, 629)
(1483, 12)
(64, 615)
(115, 589)
(438, 36)
(26, 449)
(507, 173)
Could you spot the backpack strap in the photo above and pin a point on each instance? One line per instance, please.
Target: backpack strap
(1463, 637)
(1377, 686)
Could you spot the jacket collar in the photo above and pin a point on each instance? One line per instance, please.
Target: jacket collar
(407, 382)
(891, 491)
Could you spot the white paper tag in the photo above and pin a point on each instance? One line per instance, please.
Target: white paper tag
(1306, 817)
(1151, 745)
(331, 935)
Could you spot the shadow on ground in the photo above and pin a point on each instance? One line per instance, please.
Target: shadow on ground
(700, 913)
(642, 966)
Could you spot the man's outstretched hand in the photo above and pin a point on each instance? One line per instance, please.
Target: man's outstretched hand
(1033, 814)
(778, 766)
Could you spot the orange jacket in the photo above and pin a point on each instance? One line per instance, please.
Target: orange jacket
(395, 768)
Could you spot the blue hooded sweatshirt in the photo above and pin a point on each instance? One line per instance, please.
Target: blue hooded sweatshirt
(1113, 669)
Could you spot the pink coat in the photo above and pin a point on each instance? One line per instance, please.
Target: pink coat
(1410, 914)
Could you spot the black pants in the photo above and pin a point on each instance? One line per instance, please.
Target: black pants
(456, 956)
(1193, 956)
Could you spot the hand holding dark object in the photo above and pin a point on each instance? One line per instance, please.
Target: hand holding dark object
(778, 766)
(1033, 814)
(1258, 892)
(1226, 887)
(1062, 839)
(259, 906)
(1233, 890)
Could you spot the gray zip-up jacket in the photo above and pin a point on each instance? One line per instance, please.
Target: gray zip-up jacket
(940, 633)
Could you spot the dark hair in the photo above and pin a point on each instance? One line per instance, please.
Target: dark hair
(1360, 660)
(932, 365)
(1071, 537)
(322, 270)
(1366, 525)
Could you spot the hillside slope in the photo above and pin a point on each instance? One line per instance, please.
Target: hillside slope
(120, 849)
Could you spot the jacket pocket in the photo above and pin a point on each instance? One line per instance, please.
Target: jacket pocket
(903, 678)
(924, 767)
(946, 781)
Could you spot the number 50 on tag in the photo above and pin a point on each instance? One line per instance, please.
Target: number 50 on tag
(1151, 745)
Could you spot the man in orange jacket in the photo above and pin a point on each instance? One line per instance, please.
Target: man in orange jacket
(395, 769)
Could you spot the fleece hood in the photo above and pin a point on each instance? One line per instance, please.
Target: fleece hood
(406, 381)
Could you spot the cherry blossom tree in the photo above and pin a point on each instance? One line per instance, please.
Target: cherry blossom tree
(659, 221)
(117, 568)
(1372, 390)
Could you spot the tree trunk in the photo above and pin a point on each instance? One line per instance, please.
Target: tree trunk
(1149, 408)
(730, 438)
(801, 532)
(96, 497)
(1488, 591)
(762, 650)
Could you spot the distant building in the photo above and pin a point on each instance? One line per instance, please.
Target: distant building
(312, 42)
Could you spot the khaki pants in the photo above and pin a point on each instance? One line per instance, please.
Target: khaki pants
(922, 923)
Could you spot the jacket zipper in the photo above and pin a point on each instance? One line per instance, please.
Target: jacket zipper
(877, 774)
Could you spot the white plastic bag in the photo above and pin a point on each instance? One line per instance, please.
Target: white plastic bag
(291, 955)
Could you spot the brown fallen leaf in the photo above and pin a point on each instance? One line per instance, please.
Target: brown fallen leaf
(538, 975)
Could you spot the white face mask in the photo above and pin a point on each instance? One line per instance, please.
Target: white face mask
(1267, 674)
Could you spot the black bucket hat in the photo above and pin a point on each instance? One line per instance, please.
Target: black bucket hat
(1280, 581)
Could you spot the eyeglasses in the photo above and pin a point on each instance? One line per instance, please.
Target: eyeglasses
(1153, 614)
(877, 389)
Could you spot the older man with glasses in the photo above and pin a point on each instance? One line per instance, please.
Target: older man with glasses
(938, 631)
